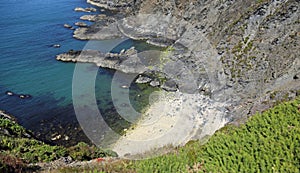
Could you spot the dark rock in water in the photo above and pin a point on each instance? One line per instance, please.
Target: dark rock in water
(297, 76)
(67, 26)
(56, 45)
(9, 93)
(24, 96)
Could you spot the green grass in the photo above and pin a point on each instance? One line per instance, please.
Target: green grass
(268, 142)
(16, 150)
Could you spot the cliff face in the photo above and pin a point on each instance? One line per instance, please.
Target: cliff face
(242, 51)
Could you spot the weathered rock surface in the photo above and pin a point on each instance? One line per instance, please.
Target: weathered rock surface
(155, 83)
(104, 28)
(93, 18)
(88, 9)
(236, 51)
(111, 4)
(127, 62)
(143, 79)
(81, 24)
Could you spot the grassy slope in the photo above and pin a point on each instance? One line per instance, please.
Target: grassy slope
(268, 142)
(16, 150)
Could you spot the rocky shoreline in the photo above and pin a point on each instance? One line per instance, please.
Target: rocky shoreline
(238, 58)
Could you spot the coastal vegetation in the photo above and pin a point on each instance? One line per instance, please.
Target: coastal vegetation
(267, 142)
(259, 67)
(18, 149)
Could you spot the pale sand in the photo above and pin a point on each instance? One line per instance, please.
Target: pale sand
(172, 118)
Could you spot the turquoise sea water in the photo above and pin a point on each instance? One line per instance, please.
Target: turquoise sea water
(28, 30)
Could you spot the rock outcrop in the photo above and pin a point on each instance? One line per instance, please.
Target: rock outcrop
(88, 9)
(127, 61)
(236, 51)
(81, 24)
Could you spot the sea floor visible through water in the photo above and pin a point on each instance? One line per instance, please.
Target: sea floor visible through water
(28, 66)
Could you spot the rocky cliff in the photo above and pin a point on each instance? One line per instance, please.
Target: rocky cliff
(240, 51)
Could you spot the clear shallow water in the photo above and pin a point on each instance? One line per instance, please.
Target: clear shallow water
(28, 30)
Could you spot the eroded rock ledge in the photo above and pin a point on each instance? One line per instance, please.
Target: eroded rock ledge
(126, 61)
(246, 50)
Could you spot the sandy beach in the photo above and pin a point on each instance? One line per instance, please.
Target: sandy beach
(173, 118)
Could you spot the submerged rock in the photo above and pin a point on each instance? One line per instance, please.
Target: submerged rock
(56, 45)
(67, 26)
(24, 96)
(9, 93)
(21, 96)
